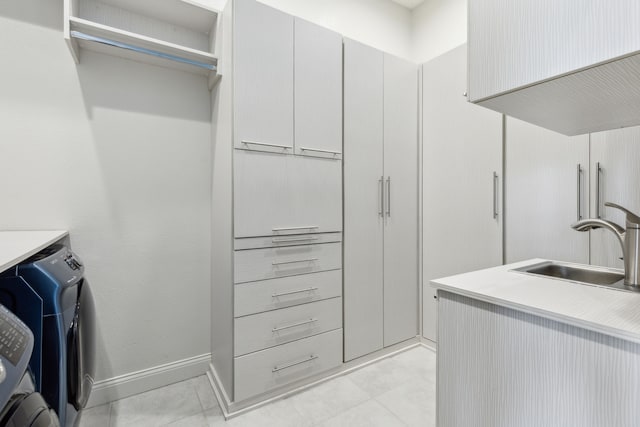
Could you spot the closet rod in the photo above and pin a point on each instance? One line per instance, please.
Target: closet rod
(108, 42)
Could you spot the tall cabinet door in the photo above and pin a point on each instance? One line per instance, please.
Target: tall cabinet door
(401, 200)
(547, 189)
(363, 191)
(462, 149)
(263, 86)
(618, 154)
(318, 91)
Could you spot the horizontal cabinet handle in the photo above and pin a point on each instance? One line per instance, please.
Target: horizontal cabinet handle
(295, 239)
(290, 365)
(286, 147)
(294, 262)
(306, 227)
(293, 325)
(294, 292)
(317, 150)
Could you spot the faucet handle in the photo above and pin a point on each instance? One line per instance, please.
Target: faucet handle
(632, 220)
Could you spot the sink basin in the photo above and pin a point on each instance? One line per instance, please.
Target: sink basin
(589, 275)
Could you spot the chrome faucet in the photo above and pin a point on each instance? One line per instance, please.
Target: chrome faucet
(629, 240)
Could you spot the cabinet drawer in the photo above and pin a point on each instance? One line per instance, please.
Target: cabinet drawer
(265, 370)
(281, 241)
(267, 295)
(264, 330)
(277, 194)
(259, 264)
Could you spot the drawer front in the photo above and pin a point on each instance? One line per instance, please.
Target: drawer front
(288, 240)
(278, 194)
(270, 263)
(267, 295)
(264, 330)
(265, 370)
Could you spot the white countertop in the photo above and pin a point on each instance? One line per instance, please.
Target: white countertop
(609, 311)
(16, 246)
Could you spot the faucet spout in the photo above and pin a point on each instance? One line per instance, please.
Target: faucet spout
(593, 223)
(629, 239)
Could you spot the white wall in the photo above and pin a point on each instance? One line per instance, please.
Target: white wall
(437, 26)
(378, 23)
(118, 153)
(423, 33)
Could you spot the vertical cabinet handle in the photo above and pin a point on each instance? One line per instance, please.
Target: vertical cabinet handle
(388, 196)
(598, 172)
(495, 195)
(579, 190)
(381, 185)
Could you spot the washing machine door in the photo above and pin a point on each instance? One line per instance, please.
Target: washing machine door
(81, 349)
(28, 410)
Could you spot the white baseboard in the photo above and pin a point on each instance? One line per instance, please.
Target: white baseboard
(132, 383)
(223, 399)
(431, 345)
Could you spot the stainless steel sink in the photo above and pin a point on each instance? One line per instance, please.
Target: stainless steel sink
(589, 275)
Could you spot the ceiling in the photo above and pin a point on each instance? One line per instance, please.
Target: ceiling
(409, 4)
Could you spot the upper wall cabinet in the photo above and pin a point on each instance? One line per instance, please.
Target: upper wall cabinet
(263, 73)
(570, 66)
(318, 91)
(171, 33)
(288, 83)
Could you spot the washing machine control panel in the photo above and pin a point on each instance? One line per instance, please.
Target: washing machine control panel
(63, 265)
(16, 345)
(14, 337)
(72, 262)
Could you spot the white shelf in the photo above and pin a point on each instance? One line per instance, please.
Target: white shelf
(171, 33)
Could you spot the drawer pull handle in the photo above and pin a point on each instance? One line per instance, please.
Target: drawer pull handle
(286, 147)
(308, 227)
(299, 362)
(294, 292)
(294, 262)
(297, 239)
(317, 150)
(293, 325)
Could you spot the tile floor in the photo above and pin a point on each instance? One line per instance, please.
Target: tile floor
(398, 391)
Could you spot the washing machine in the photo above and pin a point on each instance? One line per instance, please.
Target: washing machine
(20, 404)
(52, 297)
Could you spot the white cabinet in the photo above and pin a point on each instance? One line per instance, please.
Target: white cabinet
(263, 77)
(547, 176)
(318, 91)
(363, 189)
(569, 66)
(277, 211)
(401, 198)
(271, 263)
(380, 188)
(267, 295)
(617, 153)
(267, 369)
(462, 177)
(553, 179)
(288, 83)
(277, 327)
(281, 194)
